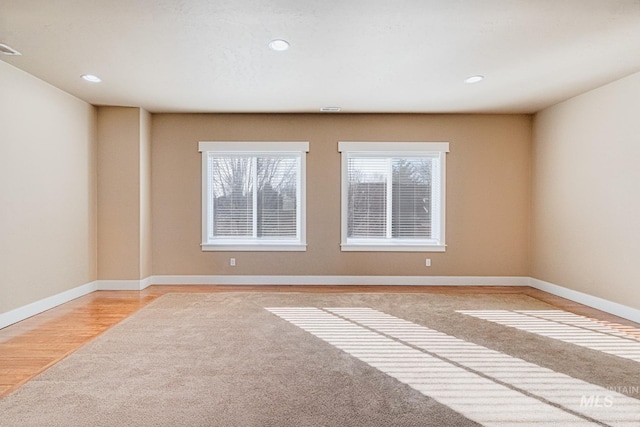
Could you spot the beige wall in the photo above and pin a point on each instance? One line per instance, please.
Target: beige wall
(124, 201)
(488, 181)
(145, 195)
(586, 193)
(47, 190)
(118, 193)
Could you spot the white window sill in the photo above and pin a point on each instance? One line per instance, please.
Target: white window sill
(254, 247)
(391, 247)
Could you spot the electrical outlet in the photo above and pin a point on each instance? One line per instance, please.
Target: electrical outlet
(427, 262)
(232, 262)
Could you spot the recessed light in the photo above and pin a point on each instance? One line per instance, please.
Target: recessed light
(474, 79)
(8, 50)
(91, 78)
(330, 109)
(279, 45)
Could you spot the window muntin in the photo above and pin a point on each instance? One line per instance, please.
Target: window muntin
(393, 196)
(253, 196)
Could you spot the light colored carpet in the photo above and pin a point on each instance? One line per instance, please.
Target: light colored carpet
(289, 359)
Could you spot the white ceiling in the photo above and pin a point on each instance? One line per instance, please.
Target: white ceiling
(361, 55)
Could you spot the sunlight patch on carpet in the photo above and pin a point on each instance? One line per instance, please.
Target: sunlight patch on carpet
(475, 396)
(573, 319)
(546, 384)
(565, 328)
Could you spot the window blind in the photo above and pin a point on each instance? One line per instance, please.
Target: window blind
(411, 198)
(277, 197)
(253, 196)
(368, 188)
(389, 197)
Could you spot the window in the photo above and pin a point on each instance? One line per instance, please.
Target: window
(393, 196)
(253, 196)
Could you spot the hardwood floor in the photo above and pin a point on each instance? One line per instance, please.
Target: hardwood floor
(31, 346)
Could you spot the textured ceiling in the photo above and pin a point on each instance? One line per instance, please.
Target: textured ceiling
(361, 55)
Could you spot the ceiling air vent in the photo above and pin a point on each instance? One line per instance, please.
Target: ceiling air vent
(8, 50)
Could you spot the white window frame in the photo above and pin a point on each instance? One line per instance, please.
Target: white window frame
(297, 148)
(395, 149)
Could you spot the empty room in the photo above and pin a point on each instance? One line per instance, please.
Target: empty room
(329, 213)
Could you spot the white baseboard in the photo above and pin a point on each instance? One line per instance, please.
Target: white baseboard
(124, 285)
(42, 305)
(602, 304)
(579, 297)
(26, 311)
(119, 285)
(342, 280)
(137, 285)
